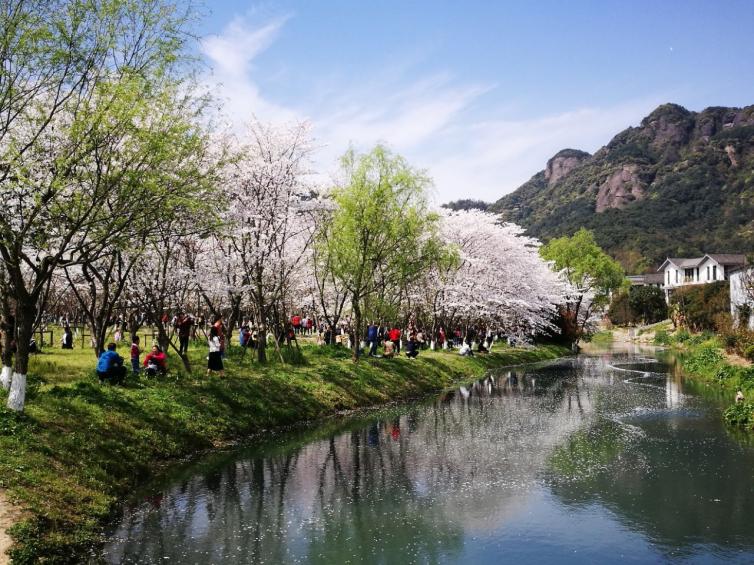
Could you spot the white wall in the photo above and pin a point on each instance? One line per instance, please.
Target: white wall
(738, 296)
(703, 271)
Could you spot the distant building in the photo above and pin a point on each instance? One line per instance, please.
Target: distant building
(652, 279)
(741, 303)
(678, 272)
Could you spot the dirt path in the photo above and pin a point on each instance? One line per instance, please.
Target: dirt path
(8, 516)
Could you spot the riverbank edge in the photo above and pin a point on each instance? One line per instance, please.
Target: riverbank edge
(705, 360)
(67, 526)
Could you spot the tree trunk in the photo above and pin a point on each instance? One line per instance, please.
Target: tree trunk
(356, 328)
(99, 333)
(26, 314)
(262, 343)
(9, 329)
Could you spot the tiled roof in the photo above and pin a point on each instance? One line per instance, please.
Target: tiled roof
(728, 258)
(685, 262)
(654, 278)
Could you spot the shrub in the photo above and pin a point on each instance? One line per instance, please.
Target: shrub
(749, 352)
(662, 337)
(648, 304)
(747, 376)
(730, 340)
(682, 336)
(620, 312)
(724, 372)
(740, 414)
(699, 307)
(703, 359)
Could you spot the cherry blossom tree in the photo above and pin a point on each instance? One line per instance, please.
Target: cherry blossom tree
(500, 278)
(265, 225)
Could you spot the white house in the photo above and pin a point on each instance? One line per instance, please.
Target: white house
(740, 279)
(678, 272)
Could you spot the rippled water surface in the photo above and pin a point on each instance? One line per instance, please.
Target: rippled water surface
(600, 458)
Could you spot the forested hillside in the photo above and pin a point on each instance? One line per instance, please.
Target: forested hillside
(682, 183)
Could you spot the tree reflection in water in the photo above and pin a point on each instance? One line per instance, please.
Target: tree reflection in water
(439, 481)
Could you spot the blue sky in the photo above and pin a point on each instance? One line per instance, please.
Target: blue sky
(480, 94)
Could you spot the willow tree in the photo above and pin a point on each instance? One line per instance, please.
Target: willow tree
(381, 235)
(591, 273)
(71, 72)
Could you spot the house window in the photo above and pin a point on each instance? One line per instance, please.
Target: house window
(688, 275)
(668, 277)
(697, 274)
(714, 272)
(676, 276)
(707, 272)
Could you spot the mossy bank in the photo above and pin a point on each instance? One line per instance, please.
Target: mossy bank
(80, 446)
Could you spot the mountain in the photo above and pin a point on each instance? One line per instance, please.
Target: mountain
(680, 184)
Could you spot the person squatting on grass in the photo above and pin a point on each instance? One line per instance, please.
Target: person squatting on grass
(155, 362)
(110, 366)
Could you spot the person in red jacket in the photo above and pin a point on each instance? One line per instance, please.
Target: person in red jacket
(395, 336)
(296, 323)
(156, 362)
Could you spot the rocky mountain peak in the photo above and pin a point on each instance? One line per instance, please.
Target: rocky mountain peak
(562, 163)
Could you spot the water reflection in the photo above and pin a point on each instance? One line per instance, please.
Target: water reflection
(588, 458)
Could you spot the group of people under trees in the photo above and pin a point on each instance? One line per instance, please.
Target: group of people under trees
(380, 340)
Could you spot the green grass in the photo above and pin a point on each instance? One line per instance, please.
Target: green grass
(603, 338)
(701, 356)
(80, 446)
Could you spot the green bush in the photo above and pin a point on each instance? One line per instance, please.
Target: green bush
(749, 352)
(740, 414)
(747, 376)
(682, 336)
(700, 307)
(648, 304)
(662, 337)
(703, 359)
(620, 312)
(724, 372)
(730, 340)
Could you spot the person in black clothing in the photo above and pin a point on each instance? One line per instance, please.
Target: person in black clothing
(67, 338)
(412, 347)
(183, 324)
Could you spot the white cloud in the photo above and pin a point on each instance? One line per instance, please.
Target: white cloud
(233, 78)
(428, 118)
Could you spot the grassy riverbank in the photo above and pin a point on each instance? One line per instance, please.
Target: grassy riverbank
(703, 357)
(80, 446)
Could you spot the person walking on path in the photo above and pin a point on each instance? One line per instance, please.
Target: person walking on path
(215, 358)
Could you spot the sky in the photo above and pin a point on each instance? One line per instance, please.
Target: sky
(478, 93)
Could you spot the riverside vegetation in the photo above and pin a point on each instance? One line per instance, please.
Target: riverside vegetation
(80, 446)
(702, 356)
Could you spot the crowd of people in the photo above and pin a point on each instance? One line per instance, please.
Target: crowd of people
(380, 341)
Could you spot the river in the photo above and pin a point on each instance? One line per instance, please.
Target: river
(606, 457)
